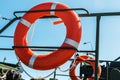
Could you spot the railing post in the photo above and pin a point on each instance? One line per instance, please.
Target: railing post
(97, 46)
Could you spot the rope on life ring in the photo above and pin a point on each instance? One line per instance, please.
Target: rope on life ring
(55, 58)
(81, 59)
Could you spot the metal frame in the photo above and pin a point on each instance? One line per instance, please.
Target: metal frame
(97, 15)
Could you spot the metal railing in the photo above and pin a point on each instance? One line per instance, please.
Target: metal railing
(98, 18)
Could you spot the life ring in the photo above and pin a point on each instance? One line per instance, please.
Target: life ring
(55, 58)
(80, 59)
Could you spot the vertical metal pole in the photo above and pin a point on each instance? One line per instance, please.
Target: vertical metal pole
(107, 66)
(80, 74)
(97, 46)
(54, 74)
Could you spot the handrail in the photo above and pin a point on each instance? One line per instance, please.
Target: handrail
(47, 10)
(80, 15)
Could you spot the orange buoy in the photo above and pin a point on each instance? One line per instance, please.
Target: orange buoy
(55, 58)
(80, 59)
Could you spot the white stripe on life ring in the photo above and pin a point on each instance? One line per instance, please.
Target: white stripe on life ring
(32, 60)
(53, 7)
(25, 22)
(71, 42)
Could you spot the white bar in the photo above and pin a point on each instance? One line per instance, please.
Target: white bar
(32, 60)
(53, 7)
(25, 22)
(71, 42)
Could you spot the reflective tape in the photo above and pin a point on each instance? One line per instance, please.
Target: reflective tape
(32, 60)
(88, 58)
(53, 7)
(71, 42)
(93, 75)
(25, 22)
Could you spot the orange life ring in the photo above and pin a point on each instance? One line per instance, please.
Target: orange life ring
(55, 58)
(80, 59)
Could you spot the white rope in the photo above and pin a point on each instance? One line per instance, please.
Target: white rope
(26, 71)
(73, 65)
(47, 75)
(32, 76)
(51, 21)
(4, 76)
(31, 36)
(23, 68)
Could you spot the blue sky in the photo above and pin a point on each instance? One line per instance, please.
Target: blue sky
(109, 29)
